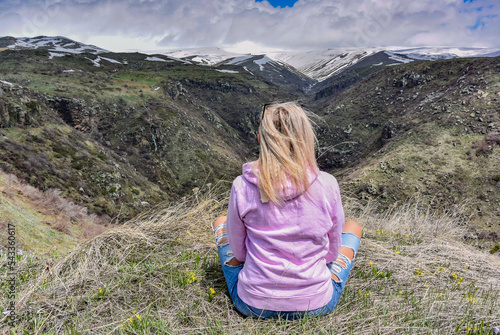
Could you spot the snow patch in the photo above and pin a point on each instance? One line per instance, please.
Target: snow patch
(56, 54)
(69, 71)
(238, 60)
(95, 61)
(398, 58)
(203, 56)
(245, 68)
(227, 71)
(110, 60)
(6, 83)
(262, 61)
(155, 59)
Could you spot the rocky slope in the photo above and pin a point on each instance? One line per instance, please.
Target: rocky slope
(120, 132)
(425, 130)
(128, 133)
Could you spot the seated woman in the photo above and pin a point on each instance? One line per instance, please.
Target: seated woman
(284, 247)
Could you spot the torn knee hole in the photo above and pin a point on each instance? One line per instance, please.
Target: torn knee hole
(233, 262)
(341, 263)
(223, 240)
(351, 250)
(336, 278)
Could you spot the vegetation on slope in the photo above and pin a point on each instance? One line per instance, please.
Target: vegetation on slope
(429, 129)
(45, 222)
(160, 273)
(119, 137)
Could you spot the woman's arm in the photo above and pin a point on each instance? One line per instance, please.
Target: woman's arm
(338, 219)
(236, 230)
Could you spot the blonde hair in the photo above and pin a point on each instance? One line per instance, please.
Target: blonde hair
(287, 143)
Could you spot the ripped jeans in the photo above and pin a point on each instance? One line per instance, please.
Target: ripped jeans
(340, 269)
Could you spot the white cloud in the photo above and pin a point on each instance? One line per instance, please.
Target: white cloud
(309, 24)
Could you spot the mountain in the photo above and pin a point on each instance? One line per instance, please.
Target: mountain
(277, 72)
(423, 130)
(322, 64)
(337, 83)
(437, 53)
(204, 56)
(118, 136)
(118, 132)
(55, 44)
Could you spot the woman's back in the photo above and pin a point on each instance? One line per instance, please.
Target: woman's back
(285, 225)
(285, 247)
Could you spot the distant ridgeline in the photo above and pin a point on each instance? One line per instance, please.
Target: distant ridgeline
(118, 132)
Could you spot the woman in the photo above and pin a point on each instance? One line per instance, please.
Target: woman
(284, 247)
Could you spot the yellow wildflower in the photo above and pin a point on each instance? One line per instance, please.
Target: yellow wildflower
(212, 291)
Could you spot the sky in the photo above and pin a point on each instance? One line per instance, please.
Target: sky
(256, 25)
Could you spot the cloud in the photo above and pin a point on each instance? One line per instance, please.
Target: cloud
(309, 24)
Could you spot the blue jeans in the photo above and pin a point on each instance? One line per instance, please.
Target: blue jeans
(231, 274)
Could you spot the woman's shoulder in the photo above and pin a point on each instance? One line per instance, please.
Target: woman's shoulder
(328, 178)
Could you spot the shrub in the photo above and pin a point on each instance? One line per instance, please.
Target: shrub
(483, 148)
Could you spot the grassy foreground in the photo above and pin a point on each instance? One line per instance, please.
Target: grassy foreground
(159, 274)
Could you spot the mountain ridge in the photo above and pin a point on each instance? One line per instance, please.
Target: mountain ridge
(299, 71)
(178, 125)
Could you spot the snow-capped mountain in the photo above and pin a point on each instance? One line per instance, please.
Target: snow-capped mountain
(299, 69)
(205, 56)
(273, 70)
(322, 64)
(436, 53)
(51, 43)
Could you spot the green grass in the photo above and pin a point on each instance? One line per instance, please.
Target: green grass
(33, 234)
(436, 165)
(160, 273)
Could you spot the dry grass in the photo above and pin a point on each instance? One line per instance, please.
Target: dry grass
(153, 275)
(55, 211)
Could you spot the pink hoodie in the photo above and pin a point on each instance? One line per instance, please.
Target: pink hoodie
(285, 249)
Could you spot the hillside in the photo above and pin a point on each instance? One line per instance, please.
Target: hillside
(424, 130)
(160, 273)
(46, 222)
(138, 129)
(128, 133)
(113, 166)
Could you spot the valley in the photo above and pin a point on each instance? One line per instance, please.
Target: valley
(121, 132)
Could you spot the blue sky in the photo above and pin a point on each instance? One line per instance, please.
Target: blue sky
(246, 25)
(281, 3)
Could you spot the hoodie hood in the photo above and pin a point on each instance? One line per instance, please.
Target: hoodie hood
(287, 192)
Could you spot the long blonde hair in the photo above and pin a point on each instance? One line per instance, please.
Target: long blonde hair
(287, 143)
